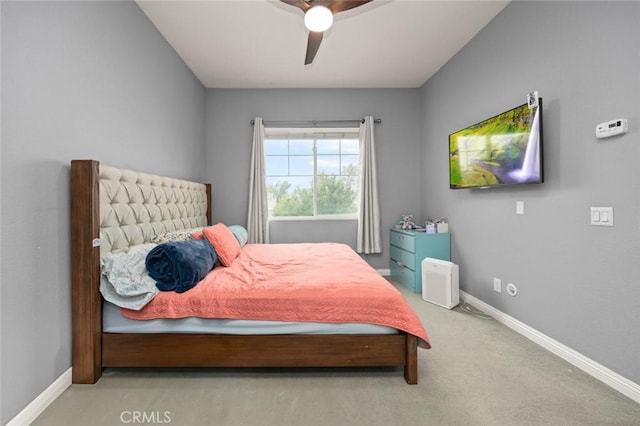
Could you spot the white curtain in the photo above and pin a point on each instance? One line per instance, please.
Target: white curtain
(369, 237)
(257, 218)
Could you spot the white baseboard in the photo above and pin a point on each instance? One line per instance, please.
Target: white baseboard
(384, 272)
(38, 405)
(600, 372)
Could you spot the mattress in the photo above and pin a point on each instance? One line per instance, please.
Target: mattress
(114, 322)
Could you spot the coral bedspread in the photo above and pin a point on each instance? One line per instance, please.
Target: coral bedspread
(326, 282)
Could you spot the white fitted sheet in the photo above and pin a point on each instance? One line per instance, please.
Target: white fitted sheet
(114, 322)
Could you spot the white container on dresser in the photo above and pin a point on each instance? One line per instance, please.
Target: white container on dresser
(409, 248)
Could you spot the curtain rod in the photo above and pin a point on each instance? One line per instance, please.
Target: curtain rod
(315, 122)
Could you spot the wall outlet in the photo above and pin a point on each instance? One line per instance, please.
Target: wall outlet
(512, 289)
(497, 285)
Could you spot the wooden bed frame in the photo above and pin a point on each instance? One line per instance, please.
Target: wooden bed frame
(94, 349)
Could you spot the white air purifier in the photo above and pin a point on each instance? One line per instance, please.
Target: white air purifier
(440, 282)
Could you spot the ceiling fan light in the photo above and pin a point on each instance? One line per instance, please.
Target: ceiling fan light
(318, 19)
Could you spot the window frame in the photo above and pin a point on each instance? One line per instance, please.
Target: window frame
(291, 133)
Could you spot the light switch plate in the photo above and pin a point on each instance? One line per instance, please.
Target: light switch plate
(602, 216)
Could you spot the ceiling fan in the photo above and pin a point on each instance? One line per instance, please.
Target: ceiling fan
(318, 17)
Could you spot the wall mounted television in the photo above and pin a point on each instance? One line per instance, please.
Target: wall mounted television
(502, 150)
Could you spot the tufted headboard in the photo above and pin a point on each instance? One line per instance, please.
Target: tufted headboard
(111, 210)
(136, 206)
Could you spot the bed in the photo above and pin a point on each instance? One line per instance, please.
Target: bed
(115, 209)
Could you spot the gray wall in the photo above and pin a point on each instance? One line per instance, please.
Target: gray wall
(397, 146)
(79, 80)
(96, 80)
(577, 283)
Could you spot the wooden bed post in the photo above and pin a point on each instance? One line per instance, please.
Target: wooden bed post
(85, 271)
(209, 212)
(411, 366)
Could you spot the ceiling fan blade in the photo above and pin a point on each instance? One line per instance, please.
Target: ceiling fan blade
(342, 5)
(300, 4)
(313, 44)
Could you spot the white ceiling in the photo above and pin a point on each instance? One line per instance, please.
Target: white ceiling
(262, 43)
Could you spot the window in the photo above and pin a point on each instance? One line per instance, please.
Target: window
(312, 172)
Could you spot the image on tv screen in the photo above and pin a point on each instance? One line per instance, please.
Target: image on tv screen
(502, 150)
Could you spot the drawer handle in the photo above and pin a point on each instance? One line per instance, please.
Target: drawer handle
(402, 265)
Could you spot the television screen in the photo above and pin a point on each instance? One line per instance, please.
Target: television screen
(502, 150)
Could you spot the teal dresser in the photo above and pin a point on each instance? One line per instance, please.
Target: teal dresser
(409, 248)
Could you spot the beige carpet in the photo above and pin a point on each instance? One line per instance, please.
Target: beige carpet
(478, 373)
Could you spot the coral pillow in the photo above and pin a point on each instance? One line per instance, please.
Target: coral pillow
(223, 240)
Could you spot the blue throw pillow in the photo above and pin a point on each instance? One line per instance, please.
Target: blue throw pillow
(240, 233)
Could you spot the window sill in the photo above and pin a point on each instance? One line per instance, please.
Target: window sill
(312, 218)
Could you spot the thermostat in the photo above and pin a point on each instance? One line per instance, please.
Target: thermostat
(612, 128)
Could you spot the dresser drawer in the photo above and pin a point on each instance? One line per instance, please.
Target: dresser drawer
(403, 275)
(407, 250)
(403, 257)
(407, 242)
